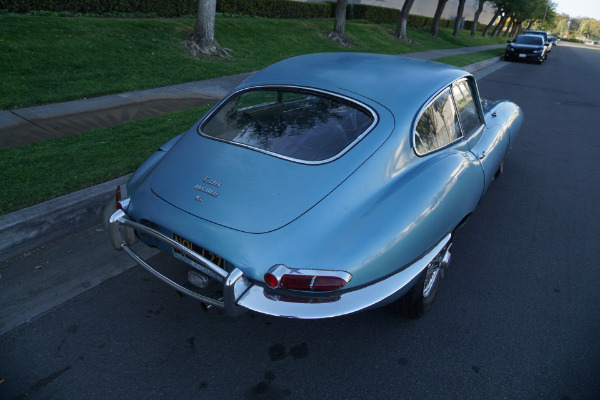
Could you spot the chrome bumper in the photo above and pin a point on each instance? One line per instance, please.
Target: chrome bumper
(241, 295)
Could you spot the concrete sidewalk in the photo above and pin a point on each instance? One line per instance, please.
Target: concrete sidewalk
(34, 124)
(27, 229)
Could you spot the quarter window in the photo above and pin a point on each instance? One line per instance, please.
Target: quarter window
(438, 126)
(469, 117)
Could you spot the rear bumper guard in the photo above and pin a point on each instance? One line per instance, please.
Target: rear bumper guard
(241, 295)
(121, 228)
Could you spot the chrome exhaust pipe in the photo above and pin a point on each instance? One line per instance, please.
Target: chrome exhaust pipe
(445, 261)
(446, 257)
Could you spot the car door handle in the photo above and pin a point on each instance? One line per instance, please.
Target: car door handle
(481, 155)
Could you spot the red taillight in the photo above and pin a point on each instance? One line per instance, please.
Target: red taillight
(118, 197)
(296, 282)
(308, 280)
(121, 198)
(305, 282)
(271, 281)
(328, 283)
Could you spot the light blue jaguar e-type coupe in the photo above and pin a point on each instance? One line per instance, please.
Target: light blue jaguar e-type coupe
(323, 185)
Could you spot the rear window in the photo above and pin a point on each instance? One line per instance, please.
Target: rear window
(295, 124)
(530, 39)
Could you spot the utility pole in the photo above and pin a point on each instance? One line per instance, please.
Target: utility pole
(545, 11)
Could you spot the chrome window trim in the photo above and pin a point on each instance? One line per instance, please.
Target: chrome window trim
(462, 136)
(478, 105)
(361, 105)
(422, 110)
(476, 101)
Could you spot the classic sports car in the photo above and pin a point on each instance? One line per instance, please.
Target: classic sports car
(526, 48)
(323, 185)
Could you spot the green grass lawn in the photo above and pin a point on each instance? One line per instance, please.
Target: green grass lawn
(471, 58)
(53, 59)
(41, 171)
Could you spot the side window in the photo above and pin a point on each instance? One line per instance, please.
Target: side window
(438, 125)
(463, 95)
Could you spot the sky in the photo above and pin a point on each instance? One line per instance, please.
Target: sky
(579, 8)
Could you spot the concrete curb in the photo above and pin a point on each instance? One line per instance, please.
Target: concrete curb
(31, 227)
(482, 64)
(26, 229)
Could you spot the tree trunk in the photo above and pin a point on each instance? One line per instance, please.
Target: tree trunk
(488, 27)
(203, 38)
(401, 27)
(512, 22)
(515, 28)
(436, 18)
(476, 18)
(498, 28)
(339, 25)
(458, 20)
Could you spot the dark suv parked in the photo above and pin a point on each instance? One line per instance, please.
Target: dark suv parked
(526, 48)
(544, 34)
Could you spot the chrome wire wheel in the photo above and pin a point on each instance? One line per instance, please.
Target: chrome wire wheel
(420, 297)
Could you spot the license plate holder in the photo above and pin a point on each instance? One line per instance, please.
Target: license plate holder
(210, 256)
(522, 55)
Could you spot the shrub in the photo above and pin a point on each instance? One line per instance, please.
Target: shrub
(283, 9)
(376, 14)
(171, 8)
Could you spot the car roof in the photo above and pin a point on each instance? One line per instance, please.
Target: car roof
(388, 79)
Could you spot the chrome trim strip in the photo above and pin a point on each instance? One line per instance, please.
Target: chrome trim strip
(373, 113)
(349, 302)
(240, 295)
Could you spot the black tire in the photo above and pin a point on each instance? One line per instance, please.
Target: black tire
(415, 302)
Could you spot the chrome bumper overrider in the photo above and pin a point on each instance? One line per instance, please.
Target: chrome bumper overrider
(240, 295)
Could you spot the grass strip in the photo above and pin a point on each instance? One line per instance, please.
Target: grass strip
(41, 171)
(54, 59)
(471, 58)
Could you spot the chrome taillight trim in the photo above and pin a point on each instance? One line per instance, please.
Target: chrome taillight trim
(279, 270)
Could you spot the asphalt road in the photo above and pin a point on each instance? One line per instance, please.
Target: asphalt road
(517, 315)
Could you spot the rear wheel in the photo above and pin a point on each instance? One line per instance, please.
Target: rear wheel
(418, 300)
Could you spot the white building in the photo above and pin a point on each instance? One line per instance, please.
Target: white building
(427, 8)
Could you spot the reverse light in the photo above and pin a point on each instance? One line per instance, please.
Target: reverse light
(311, 280)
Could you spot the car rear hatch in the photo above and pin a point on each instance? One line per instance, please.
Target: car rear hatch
(247, 190)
